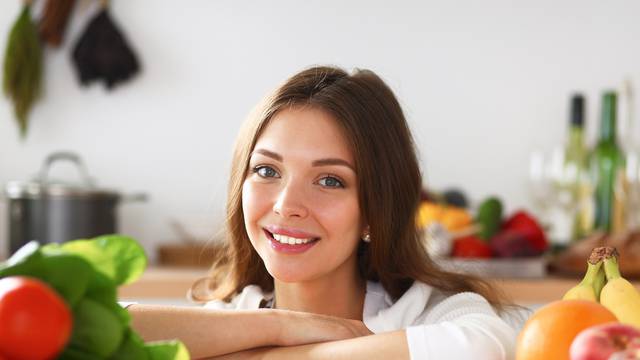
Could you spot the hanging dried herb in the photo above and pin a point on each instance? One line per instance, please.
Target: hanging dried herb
(102, 53)
(54, 21)
(23, 67)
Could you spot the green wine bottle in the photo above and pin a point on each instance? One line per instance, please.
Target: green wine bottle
(608, 164)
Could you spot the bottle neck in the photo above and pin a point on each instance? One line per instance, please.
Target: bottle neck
(608, 124)
(575, 151)
(576, 137)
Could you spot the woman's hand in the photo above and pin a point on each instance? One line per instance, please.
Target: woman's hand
(298, 328)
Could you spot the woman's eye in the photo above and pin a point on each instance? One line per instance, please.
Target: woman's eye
(330, 181)
(265, 171)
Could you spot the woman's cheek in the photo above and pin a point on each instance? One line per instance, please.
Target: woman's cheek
(342, 214)
(256, 203)
(249, 207)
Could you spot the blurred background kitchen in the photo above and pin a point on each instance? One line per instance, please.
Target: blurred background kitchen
(505, 101)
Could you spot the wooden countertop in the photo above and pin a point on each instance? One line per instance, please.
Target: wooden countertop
(173, 283)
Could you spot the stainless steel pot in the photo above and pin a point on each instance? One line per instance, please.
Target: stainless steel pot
(47, 211)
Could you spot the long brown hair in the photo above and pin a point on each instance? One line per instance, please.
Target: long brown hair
(389, 183)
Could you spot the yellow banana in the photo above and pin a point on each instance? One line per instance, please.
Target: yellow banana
(590, 286)
(599, 282)
(619, 295)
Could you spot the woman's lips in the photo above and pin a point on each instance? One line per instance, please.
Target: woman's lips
(288, 248)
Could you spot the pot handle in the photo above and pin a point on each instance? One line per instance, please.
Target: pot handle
(64, 155)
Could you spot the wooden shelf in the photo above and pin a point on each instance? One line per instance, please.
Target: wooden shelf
(173, 283)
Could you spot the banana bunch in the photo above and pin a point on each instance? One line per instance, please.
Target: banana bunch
(603, 283)
(591, 285)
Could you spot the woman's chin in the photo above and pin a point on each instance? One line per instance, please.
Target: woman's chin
(289, 274)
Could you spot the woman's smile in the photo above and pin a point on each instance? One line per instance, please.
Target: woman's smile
(289, 245)
(289, 240)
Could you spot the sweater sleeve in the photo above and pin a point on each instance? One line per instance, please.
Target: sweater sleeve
(463, 326)
(249, 298)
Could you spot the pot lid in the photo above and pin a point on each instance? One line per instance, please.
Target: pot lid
(41, 185)
(34, 189)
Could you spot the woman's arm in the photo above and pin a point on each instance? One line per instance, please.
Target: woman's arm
(208, 332)
(474, 336)
(391, 345)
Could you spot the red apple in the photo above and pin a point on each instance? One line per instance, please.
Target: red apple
(629, 354)
(600, 342)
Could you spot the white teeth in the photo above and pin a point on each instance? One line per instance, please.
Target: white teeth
(289, 240)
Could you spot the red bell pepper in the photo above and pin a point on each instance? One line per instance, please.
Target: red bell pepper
(471, 247)
(527, 225)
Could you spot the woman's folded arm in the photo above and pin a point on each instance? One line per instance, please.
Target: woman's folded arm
(475, 336)
(208, 332)
(391, 345)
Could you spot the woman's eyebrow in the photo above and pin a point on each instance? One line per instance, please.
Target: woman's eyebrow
(270, 154)
(332, 161)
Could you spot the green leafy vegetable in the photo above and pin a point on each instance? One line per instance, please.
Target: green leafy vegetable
(103, 290)
(55, 268)
(23, 67)
(95, 328)
(68, 274)
(72, 353)
(133, 347)
(167, 350)
(86, 273)
(120, 258)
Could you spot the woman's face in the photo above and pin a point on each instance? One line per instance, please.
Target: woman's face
(300, 197)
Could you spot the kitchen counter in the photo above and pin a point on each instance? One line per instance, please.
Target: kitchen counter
(173, 283)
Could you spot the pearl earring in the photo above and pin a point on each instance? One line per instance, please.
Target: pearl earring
(367, 238)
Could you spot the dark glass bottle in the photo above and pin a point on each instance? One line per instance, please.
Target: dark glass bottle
(608, 164)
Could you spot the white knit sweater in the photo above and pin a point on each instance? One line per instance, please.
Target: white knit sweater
(458, 327)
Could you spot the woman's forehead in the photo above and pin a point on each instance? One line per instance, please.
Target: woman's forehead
(305, 132)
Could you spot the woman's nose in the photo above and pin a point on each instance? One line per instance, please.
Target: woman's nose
(290, 202)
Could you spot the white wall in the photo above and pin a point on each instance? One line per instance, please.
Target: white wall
(482, 83)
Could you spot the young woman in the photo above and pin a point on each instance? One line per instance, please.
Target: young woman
(322, 199)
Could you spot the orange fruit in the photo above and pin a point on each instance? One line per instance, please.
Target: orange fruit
(548, 333)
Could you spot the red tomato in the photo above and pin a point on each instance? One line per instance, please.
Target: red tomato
(471, 247)
(35, 323)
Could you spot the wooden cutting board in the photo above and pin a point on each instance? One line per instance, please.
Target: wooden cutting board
(573, 261)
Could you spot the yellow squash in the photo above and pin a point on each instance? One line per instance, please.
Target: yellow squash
(451, 217)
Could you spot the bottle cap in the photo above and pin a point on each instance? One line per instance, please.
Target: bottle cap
(577, 110)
